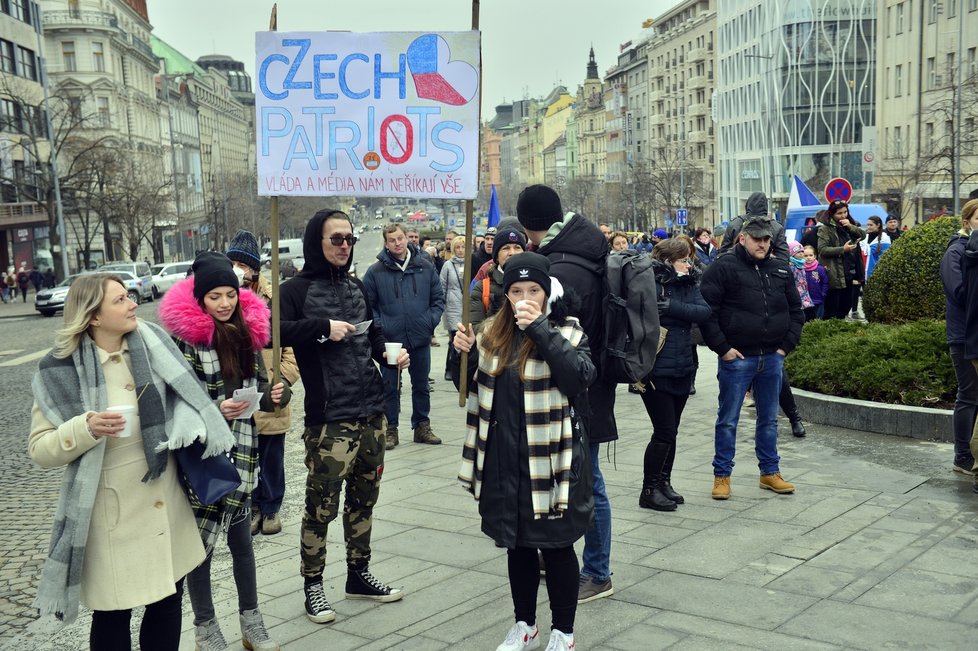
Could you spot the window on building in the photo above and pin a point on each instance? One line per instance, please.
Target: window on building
(9, 116)
(7, 63)
(27, 63)
(972, 5)
(897, 81)
(102, 108)
(899, 18)
(20, 9)
(969, 139)
(928, 137)
(952, 9)
(68, 56)
(971, 63)
(949, 63)
(931, 69)
(897, 142)
(75, 108)
(932, 10)
(98, 56)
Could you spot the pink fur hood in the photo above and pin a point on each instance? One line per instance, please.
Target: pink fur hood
(183, 316)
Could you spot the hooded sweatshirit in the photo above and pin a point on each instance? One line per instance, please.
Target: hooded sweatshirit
(340, 377)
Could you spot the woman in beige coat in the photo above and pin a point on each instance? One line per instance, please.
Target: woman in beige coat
(266, 499)
(111, 400)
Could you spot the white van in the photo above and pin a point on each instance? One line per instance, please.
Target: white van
(287, 249)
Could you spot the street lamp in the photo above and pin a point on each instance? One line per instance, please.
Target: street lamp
(631, 167)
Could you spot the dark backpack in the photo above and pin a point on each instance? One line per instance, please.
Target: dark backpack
(631, 318)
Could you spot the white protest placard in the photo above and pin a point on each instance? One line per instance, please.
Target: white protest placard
(383, 114)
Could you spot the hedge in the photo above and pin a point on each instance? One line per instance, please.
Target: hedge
(906, 283)
(906, 364)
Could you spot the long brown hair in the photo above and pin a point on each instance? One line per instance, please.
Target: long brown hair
(499, 335)
(232, 342)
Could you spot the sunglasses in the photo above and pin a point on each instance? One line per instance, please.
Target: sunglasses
(337, 240)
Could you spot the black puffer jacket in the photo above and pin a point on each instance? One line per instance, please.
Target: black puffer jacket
(684, 306)
(505, 505)
(578, 254)
(756, 307)
(969, 268)
(340, 378)
(955, 287)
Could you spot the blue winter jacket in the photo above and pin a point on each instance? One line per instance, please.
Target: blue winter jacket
(408, 303)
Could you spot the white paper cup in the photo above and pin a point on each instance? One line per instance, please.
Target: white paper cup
(520, 305)
(129, 413)
(393, 351)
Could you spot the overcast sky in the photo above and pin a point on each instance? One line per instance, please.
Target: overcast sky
(528, 46)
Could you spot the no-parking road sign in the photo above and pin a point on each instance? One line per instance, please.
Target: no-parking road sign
(838, 189)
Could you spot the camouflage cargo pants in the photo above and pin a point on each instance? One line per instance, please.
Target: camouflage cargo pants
(351, 451)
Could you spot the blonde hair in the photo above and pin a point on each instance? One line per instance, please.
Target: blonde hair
(967, 212)
(81, 305)
(459, 241)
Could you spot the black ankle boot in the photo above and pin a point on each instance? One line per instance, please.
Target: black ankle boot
(668, 491)
(653, 498)
(798, 429)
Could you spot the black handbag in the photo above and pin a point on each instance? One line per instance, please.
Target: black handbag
(206, 480)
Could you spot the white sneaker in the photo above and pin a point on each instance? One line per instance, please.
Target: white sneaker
(521, 638)
(561, 641)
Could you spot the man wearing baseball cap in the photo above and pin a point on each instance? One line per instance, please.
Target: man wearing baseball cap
(751, 337)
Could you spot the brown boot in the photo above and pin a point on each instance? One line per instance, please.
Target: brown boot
(721, 488)
(423, 434)
(391, 436)
(775, 482)
(271, 525)
(256, 520)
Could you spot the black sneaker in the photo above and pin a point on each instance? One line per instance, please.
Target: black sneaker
(318, 609)
(963, 466)
(361, 584)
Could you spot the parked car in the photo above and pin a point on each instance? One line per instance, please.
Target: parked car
(287, 249)
(167, 275)
(51, 301)
(140, 272)
(135, 286)
(378, 227)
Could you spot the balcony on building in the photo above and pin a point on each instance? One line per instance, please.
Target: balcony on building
(697, 82)
(74, 20)
(697, 136)
(657, 119)
(703, 108)
(657, 71)
(697, 54)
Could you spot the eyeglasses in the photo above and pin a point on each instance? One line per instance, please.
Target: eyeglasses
(337, 240)
(685, 261)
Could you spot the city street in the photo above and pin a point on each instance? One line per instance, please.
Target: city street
(875, 550)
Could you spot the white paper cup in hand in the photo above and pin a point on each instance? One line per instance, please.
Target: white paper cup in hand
(393, 352)
(129, 413)
(519, 306)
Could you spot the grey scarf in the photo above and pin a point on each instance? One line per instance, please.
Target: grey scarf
(174, 410)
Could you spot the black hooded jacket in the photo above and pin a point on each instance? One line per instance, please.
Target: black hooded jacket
(340, 378)
(756, 206)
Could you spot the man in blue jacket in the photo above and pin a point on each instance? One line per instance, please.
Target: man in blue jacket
(406, 296)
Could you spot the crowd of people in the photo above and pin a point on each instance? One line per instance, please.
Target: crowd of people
(118, 400)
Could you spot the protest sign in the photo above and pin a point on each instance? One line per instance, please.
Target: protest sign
(385, 114)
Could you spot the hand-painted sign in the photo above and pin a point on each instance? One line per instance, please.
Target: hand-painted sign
(386, 114)
(838, 189)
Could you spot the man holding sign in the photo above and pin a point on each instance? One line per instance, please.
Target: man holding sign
(344, 424)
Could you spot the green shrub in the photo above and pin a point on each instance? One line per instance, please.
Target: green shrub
(906, 364)
(906, 283)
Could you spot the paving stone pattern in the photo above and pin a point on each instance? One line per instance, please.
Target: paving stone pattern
(875, 550)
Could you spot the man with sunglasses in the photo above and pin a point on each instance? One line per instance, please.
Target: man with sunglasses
(405, 293)
(321, 310)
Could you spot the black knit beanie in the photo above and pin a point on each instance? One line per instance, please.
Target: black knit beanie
(527, 266)
(504, 236)
(244, 248)
(212, 269)
(538, 207)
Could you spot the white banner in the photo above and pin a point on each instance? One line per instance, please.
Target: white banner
(384, 114)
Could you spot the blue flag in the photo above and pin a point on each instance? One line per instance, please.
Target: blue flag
(493, 208)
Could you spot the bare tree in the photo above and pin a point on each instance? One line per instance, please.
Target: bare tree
(136, 197)
(939, 156)
(900, 174)
(577, 194)
(72, 138)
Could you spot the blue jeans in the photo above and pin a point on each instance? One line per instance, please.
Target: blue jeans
(420, 393)
(597, 539)
(735, 377)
